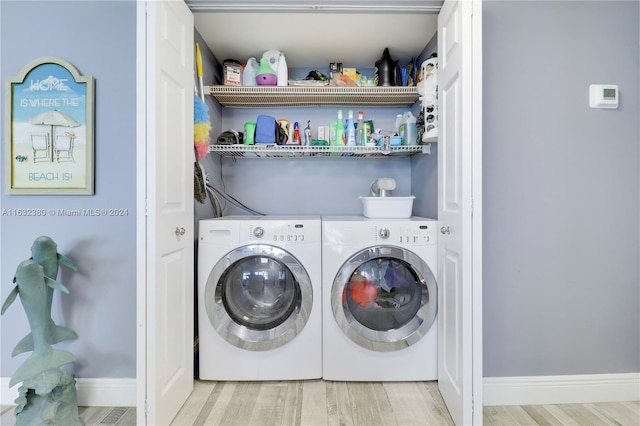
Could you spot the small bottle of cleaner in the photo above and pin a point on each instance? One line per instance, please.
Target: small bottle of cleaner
(340, 139)
(307, 134)
(296, 134)
(283, 72)
(350, 130)
(360, 138)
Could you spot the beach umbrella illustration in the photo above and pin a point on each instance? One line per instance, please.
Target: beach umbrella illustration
(54, 118)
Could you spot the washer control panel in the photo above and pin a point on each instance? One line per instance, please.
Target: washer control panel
(282, 233)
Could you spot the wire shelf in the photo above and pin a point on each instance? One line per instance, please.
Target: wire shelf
(297, 151)
(300, 96)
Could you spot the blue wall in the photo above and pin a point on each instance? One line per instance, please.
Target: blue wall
(561, 189)
(99, 39)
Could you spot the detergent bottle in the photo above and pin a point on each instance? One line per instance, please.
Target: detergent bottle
(249, 73)
(283, 71)
(408, 129)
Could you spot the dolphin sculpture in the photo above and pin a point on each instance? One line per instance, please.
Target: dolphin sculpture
(32, 288)
(45, 251)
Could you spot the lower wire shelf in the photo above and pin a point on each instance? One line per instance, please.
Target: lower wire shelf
(297, 151)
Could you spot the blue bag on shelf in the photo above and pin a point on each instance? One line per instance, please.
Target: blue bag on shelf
(268, 131)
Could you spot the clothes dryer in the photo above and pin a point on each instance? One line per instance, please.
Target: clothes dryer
(259, 298)
(379, 299)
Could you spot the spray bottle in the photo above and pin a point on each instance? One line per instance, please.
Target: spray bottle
(307, 134)
(361, 137)
(350, 130)
(296, 134)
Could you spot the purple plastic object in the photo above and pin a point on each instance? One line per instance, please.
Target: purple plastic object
(266, 79)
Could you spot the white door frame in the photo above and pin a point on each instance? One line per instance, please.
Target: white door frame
(141, 213)
(141, 206)
(476, 218)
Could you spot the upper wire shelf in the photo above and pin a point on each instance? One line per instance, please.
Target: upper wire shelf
(300, 96)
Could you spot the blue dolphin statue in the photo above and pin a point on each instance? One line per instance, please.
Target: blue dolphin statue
(32, 287)
(45, 252)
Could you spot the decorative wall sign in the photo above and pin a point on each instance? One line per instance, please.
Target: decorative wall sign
(49, 147)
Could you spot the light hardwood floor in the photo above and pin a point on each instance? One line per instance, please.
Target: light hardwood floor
(319, 402)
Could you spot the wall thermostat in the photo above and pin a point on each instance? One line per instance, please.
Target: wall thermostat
(603, 96)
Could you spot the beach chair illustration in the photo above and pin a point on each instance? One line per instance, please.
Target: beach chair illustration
(40, 146)
(63, 147)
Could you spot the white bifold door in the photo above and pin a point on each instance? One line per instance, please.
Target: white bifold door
(165, 210)
(459, 210)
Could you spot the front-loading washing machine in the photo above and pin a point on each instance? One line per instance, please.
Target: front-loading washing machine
(379, 299)
(259, 298)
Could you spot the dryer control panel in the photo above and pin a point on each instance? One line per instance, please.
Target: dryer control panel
(405, 234)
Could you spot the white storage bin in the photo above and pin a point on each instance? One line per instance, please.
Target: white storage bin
(387, 207)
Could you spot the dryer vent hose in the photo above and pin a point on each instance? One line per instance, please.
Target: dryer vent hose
(382, 187)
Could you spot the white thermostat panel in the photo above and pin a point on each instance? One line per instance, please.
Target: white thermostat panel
(603, 96)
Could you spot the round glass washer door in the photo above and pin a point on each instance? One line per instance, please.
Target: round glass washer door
(258, 297)
(384, 298)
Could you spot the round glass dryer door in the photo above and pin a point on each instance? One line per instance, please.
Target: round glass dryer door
(384, 298)
(258, 297)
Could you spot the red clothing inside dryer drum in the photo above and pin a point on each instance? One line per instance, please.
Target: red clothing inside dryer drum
(362, 290)
(384, 293)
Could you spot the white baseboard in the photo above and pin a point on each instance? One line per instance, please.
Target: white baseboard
(527, 390)
(91, 392)
(535, 390)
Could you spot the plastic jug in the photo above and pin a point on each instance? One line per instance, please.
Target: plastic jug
(249, 133)
(408, 129)
(283, 72)
(249, 74)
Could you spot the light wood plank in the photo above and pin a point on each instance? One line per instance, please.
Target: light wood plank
(338, 405)
(293, 404)
(562, 416)
(434, 403)
(623, 413)
(314, 405)
(634, 410)
(197, 408)
(128, 419)
(363, 410)
(413, 403)
(520, 415)
(402, 398)
(497, 415)
(383, 403)
(332, 404)
(269, 406)
(581, 415)
(223, 393)
(540, 415)
(238, 410)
